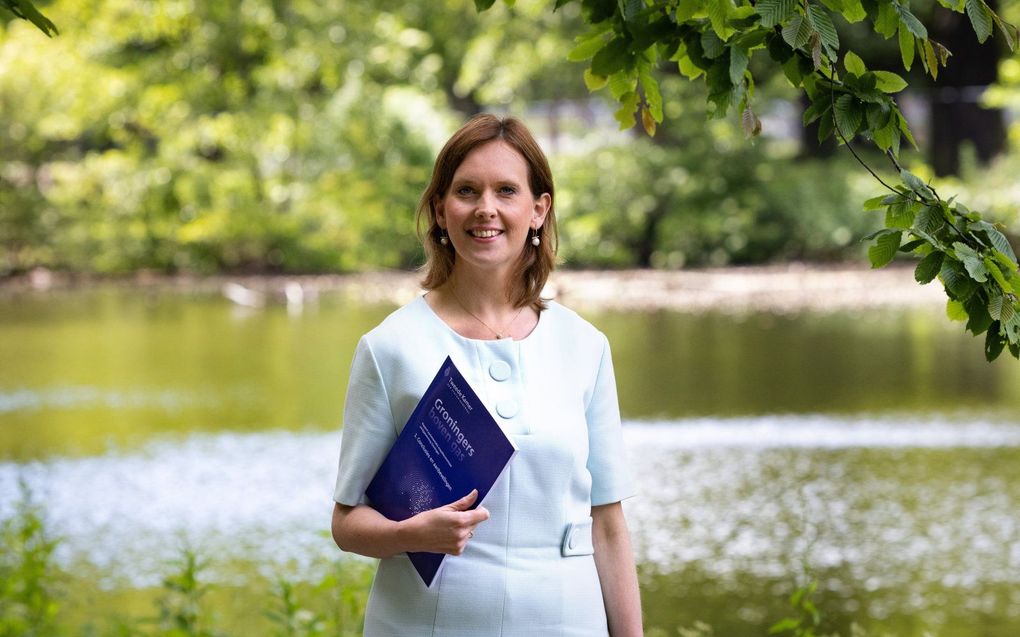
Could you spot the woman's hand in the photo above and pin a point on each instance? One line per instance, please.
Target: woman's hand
(446, 529)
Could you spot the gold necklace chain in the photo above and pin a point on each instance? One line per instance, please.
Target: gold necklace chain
(499, 334)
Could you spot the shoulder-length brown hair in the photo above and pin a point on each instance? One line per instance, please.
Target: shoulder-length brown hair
(528, 278)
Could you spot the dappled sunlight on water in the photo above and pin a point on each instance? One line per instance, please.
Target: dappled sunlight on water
(891, 505)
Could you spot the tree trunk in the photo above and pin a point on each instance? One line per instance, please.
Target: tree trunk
(956, 116)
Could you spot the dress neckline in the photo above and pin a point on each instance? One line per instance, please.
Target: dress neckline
(432, 313)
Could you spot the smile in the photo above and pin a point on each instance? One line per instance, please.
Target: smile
(484, 234)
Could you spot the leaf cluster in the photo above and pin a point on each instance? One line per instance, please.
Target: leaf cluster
(970, 256)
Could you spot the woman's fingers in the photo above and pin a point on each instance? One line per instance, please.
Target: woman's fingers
(464, 503)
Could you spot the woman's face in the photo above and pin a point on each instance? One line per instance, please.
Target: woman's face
(490, 209)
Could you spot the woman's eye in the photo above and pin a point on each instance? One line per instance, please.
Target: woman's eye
(508, 190)
(464, 190)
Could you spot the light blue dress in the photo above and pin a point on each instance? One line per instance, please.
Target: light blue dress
(529, 569)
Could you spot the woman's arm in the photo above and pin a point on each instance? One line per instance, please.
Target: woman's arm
(363, 530)
(614, 561)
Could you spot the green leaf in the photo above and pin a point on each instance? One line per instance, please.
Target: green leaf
(878, 116)
(889, 82)
(916, 185)
(887, 20)
(825, 124)
(621, 84)
(594, 82)
(911, 246)
(26, 10)
(482, 5)
(1012, 329)
(791, 69)
(906, 39)
(849, 115)
(587, 47)
(980, 19)
(853, 11)
(625, 114)
(854, 64)
(886, 136)
(817, 108)
(977, 312)
(998, 240)
(711, 45)
(958, 284)
(884, 249)
(1001, 308)
(774, 12)
(718, 13)
(996, 273)
(994, 343)
(955, 311)
(902, 123)
(614, 56)
(911, 22)
(928, 267)
(797, 32)
(822, 23)
(899, 216)
(930, 220)
(688, 68)
(738, 64)
(875, 203)
(652, 95)
(1008, 31)
(631, 8)
(972, 261)
(931, 60)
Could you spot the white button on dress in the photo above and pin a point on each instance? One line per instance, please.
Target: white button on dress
(500, 370)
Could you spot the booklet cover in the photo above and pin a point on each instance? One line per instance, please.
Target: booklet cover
(449, 446)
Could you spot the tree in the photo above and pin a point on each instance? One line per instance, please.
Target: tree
(717, 41)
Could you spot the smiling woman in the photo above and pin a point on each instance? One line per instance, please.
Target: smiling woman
(549, 552)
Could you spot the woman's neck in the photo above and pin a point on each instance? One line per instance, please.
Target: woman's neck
(478, 307)
(480, 293)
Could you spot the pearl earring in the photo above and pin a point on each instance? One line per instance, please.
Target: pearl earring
(443, 239)
(535, 241)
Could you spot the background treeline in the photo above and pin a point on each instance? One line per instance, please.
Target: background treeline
(296, 136)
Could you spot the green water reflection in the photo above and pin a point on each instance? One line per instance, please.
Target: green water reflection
(89, 369)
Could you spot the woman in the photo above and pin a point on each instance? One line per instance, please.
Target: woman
(549, 553)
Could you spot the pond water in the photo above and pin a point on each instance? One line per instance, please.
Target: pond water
(873, 451)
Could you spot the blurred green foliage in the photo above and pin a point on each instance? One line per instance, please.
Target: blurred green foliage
(292, 136)
(29, 580)
(700, 194)
(240, 134)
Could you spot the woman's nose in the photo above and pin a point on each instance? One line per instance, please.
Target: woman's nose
(486, 205)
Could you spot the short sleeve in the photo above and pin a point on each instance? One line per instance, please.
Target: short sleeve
(607, 460)
(368, 431)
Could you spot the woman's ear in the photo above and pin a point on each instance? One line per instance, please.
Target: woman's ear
(542, 204)
(437, 205)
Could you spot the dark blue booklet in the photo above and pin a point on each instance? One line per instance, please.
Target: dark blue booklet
(449, 446)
